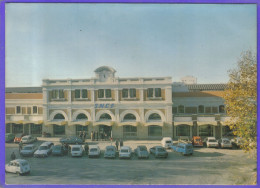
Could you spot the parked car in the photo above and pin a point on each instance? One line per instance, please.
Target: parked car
(125, 152)
(141, 152)
(18, 137)
(211, 142)
(166, 142)
(197, 141)
(185, 148)
(76, 150)
(28, 139)
(44, 150)
(237, 142)
(184, 138)
(224, 143)
(18, 166)
(28, 150)
(9, 137)
(71, 140)
(110, 152)
(159, 151)
(59, 150)
(94, 151)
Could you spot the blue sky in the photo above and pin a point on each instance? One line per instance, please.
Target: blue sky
(137, 40)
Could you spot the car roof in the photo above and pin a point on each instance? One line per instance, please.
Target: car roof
(125, 147)
(196, 137)
(142, 146)
(93, 146)
(46, 143)
(110, 147)
(30, 145)
(75, 146)
(158, 146)
(211, 138)
(19, 160)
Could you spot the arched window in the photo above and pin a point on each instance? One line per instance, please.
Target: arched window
(181, 109)
(154, 116)
(59, 117)
(129, 117)
(105, 117)
(201, 109)
(221, 109)
(81, 117)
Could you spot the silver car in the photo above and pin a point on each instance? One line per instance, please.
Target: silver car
(110, 152)
(141, 152)
(224, 143)
(28, 150)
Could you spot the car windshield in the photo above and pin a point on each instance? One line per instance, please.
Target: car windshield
(160, 149)
(93, 149)
(198, 140)
(124, 150)
(75, 149)
(226, 141)
(143, 149)
(188, 147)
(57, 147)
(43, 148)
(24, 163)
(27, 148)
(24, 138)
(168, 142)
(110, 149)
(212, 140)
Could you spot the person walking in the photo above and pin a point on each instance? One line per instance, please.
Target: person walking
(86, 147)
(117, 144)
(13, 156)
(121, 143)
(80, 134)
(91, 136)
(84, 135)
(20, 146)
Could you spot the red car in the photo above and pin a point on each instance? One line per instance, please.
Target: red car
(197, 141)
(18, 137)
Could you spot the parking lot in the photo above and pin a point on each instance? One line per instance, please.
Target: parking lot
(205, 166)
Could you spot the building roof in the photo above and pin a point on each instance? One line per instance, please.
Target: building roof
(199, 94)
(23, 90)
(107, 68)
(23, 96)
(206, 87)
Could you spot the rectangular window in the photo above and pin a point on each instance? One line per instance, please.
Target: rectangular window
(58, 94)
(35, 110)
(18, 109)
(208, 110)
(125, 93)
(132, 93)
(191, 110)
(150, 92)
(108, 93)
(215, 109)
(157, 92)
(174, 110)
(101, 93)
(84, 93)
(61, 94)
(77, 93)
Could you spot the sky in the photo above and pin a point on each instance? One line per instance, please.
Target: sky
(60, 41)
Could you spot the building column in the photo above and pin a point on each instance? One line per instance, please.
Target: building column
(116, 95)
(141, 91)
(92, 95)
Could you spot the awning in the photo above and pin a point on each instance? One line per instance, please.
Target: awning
(128, 123)
(83, 123)
(56, 123)
(108, 123)
(199, 123)
(190, 123)
(15, 122)
(154, 123)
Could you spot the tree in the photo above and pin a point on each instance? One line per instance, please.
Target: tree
(241, 100)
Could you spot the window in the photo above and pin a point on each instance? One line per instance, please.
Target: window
(104, 93)
(129, 93)
(221, 109)
(59, 117)
(18, 109)
(201, 109)
(58, 94)
(183, 130)
(129, 131)
(174, 110)
(181, 109)
(17, 128)
(81, 94)
(154, 117)
(129, 117)
(81, 117)
(35, 109)
(81, 128)
(154, 92)
(206, 130)
(36, 129)
(8, 128)
(105, 117)
(154, 130)
(215, 109)
(58, 130)
(191, 110)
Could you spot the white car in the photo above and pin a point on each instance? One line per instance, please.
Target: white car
(76, 150)
(94, 151)
(44, 150)
(125, 152)
(225, 143)
(18, 166)
(28, 139)
(166, 142)
(211, 142)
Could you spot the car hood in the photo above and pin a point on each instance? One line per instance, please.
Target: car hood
(26, 151)
(110, 153)
(39, 152)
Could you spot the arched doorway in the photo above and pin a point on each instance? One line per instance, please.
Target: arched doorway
(81, 118)
(58, 129)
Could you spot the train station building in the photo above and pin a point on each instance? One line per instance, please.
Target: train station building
(128, 108)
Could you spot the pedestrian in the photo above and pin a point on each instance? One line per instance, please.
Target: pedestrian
(91, 136)
(86, 147)
(13, 156)
(20, 146)
(117, 144)
(121, 143)
(80, 134)
(84, 136)
(97, 136)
